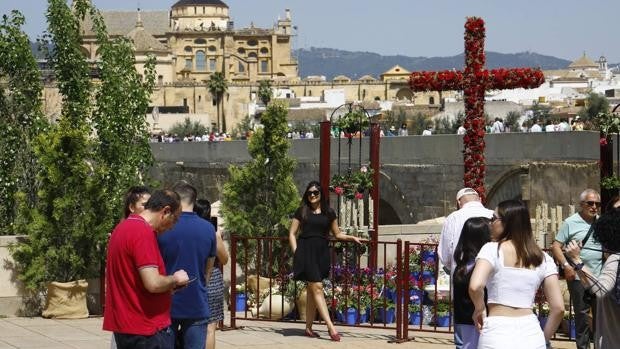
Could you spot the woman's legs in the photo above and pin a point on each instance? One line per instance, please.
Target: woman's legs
(315, 290)
(310, 308)
(211, 335)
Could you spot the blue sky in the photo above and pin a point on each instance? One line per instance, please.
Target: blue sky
(562, 28)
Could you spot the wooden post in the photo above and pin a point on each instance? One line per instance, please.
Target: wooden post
(325, 157)
(373, 216)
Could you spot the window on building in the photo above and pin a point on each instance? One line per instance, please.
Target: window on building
(200, 61)
(264, 66)
(252, 55)
(188, 49)
(188, 63)
(264, 50)
(241, 67)
(241, 51)
(212, 63)
(185, 102)
(212, 48)
(160, 80)
(200, 42)
(252, 42)
(431, 100)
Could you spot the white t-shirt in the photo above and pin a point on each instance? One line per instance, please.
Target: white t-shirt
(513, 287)
(427, 133)
(536, 128)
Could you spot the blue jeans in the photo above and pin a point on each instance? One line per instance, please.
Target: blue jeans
(190, 333)
(163, 339)
(465, 336)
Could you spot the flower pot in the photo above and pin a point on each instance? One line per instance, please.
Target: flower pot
(390, 294)
(415, 318)
(429, 276)
(363, 317)
(416, 296)
(386, 316)
(240, 302)
(443, 321)
(426, 255)
(543, 321)
(339, 316)
(351, 316)
(572, 333)
(66, 300)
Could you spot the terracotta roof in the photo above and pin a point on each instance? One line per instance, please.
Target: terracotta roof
(120, 23)
(583, 62)
(199, 2)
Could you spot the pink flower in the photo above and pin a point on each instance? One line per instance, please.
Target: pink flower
(359, 196)
(603, 141)
(364, 169)
(339, 191)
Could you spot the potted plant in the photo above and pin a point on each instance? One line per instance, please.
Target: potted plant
(352, 185)
(352, 122)
(240, 298)
(385, 310)
(543, 313)
(415, 316)
(443, 313)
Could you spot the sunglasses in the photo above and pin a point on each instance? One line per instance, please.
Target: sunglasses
(314, 193)
(593, 203)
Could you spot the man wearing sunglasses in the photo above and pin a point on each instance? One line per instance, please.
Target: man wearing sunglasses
(578, 228)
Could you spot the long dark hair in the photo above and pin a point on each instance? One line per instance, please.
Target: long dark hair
(474, 235)
(515, 218)
(203, 208)
(305, 203)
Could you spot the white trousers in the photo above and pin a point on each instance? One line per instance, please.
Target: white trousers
(504, 332)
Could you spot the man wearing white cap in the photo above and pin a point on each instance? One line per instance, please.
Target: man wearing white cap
(469, 206)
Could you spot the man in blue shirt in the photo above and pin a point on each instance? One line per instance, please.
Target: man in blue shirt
(190, 245)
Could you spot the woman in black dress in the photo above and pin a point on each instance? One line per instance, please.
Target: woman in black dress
(311, 262)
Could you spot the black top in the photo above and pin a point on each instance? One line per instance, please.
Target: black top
(315, 225)
(199, 2)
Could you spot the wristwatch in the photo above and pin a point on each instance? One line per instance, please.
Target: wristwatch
(578, 266)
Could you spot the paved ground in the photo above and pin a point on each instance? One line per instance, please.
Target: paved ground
(87, 334)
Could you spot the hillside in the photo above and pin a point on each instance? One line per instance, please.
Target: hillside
(332, 62)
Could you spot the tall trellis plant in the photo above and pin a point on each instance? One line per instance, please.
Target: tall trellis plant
(20, 116)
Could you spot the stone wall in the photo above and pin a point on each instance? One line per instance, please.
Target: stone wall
(419, 175)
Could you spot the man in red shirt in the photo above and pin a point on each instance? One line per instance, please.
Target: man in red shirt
(138, 290)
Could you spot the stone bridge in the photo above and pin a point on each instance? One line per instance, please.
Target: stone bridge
(419, 175)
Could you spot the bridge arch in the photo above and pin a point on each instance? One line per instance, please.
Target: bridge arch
(393, 206)
(508, 186)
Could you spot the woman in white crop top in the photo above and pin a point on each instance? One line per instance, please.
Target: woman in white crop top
(512, 269)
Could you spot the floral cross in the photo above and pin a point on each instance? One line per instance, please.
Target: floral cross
(474, 81)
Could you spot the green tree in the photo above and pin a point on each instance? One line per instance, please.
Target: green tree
(512, 121)
(260, 197)
(97, 148)
(595, 104)
(119, 117)
(188, 127)
(264, 91)
(541, 113)
(218, 86)
(21, 117)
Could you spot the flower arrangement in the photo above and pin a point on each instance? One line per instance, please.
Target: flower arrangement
(542, 310)
(352, 122)
(352, 185)
(414, 307)
(474, 81)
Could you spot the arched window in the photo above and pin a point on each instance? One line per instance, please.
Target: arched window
(264, 50)
(241, 51)
(252, 42)
(212, 48)
(187, 49)
(241, 67)
(200, 42)
(252, 55)
(160, 80)
(431, 100)
(200, 61)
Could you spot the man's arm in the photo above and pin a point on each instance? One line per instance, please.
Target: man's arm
(561, 238)
(445, 243)
(157, 283)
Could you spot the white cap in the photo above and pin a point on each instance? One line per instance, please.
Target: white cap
(465, 191)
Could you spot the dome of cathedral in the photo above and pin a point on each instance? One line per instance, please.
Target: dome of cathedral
(583, 62)
(217, 3)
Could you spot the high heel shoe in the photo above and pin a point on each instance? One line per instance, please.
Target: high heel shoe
(310, 333)
(335, 336)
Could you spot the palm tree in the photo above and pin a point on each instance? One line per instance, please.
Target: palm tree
(218, 86)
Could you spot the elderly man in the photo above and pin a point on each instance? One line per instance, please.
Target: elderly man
(137, 302)
(578, 227)
(469, 206)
